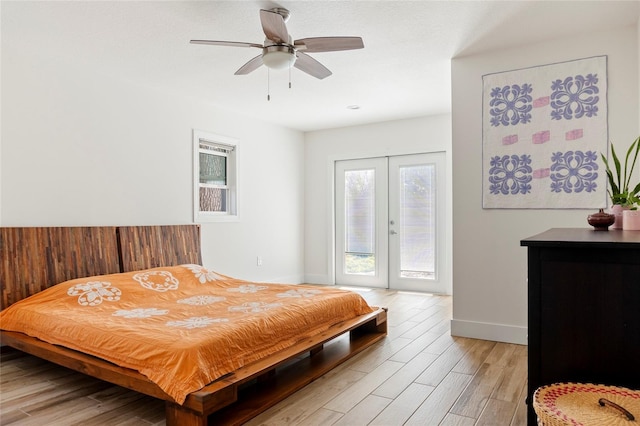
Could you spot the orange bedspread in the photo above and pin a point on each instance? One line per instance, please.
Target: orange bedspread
(182, 326)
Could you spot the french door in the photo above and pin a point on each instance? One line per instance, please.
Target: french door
(390, 222)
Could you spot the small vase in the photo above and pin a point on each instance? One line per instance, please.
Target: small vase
(616, 210)
(601, 221)
(631, 220)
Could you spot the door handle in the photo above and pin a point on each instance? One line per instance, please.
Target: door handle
(392, 232)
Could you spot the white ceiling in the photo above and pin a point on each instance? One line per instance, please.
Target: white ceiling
(403, 71)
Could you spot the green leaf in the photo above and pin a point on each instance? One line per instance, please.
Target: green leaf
(620, 183)
(633, 165)
(614, 188)
(617, 164)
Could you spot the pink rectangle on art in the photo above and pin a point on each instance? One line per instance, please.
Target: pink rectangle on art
(541, 173)
(574, 134)
(508, 140)
(540, 102)
(541, 137)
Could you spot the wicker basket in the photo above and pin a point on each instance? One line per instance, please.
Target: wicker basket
(586, 404)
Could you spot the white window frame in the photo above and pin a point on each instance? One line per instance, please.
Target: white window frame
(229, 148)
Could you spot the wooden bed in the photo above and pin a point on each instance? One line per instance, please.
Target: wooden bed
(33, 259)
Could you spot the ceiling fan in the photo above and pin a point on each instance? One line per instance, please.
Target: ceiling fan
(279, 52)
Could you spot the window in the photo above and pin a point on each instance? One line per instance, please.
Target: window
(215, 195)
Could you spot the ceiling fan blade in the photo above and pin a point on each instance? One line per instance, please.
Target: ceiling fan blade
(328, 44)
(312, 67)
(226, 43)
(252, 65)
(273, 26)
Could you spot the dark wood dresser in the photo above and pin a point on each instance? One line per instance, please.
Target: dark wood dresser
(584, 308)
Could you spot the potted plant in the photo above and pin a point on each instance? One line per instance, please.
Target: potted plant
(623, 196)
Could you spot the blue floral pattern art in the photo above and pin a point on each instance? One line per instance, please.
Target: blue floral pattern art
(510, 174)
(511, 105)
(575, 97)
(543, 129)
(574, 171)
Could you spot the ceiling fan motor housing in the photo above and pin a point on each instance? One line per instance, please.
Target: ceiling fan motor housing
(282, 12)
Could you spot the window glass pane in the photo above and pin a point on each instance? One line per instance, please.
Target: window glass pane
(360, 222)
(215, 178)
(213, 199)
(417, 221)
(213, 169)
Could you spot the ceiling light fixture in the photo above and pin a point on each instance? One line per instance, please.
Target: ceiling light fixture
(353, 106)
(278, 57)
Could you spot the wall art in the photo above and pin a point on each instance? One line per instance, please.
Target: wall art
(543, 129)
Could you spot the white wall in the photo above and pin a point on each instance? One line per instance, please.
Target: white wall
(489, 266)
(323, 148)
(85, 149)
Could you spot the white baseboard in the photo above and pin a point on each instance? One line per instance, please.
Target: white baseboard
(488, 331)
(292, 279)
(317, 279)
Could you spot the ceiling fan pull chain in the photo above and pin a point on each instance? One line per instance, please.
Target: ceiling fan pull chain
(268, 86)
(289, 77)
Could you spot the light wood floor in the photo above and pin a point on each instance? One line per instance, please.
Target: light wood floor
(419, 375)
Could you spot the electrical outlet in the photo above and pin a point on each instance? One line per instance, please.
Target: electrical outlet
(259, 260)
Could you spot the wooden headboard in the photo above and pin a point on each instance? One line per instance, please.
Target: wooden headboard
(33, 259)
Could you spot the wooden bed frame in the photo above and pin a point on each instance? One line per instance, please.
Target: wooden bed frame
(32, 259)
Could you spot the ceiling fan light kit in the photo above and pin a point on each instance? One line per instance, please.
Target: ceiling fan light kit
(279, 52)
(278, 57)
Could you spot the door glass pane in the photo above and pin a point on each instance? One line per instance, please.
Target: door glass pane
(360, 222)
(417, 221)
